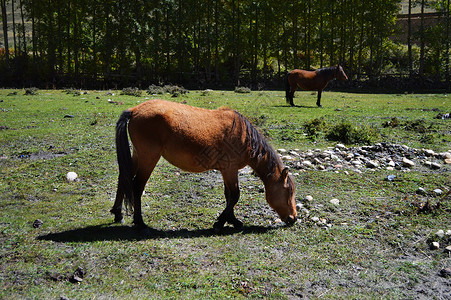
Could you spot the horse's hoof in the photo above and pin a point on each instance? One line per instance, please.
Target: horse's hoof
(238, 225)
(217, 227)
(118, 219)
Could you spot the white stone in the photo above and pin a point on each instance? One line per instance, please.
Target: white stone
(341, 146)
(294, 153)
(307, 163)
(391, 163)
(440, 233)
(429, 152)
(435, 245)
(435, 166)
(315, 219)
(281, 150)
(287, 157)
(309, 198)
(438, 191)
(356, 162)
(71, 176)
(407, 162)
(335, 201)
(372, 164)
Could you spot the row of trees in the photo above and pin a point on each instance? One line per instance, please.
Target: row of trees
(212, 41)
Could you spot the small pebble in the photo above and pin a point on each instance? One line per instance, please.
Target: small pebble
(37, 223)
(71, 176)
(335, 201)
(421, 191)
(407, 162)
(435, 245)
(309, 198)
(446, 272)
(438, 191)
(440, 233)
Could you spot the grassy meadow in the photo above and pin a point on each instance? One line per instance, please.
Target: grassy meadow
(377, 243)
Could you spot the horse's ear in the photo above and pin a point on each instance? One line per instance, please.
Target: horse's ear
(285, 172)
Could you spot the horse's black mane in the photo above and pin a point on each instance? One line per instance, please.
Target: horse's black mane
(328, 70)
(259, 147)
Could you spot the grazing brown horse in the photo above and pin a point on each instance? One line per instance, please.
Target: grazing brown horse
(196, 140)
(311, 81)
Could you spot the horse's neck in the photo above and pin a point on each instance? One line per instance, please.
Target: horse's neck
(331, 74)
(262, 168)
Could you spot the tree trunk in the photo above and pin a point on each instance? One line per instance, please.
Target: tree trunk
(421, 71)
(5, 33)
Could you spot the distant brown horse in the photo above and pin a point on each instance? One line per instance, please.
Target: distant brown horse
(196, 140)
(311, 81)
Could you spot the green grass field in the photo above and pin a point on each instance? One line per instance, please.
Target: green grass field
(376, 243)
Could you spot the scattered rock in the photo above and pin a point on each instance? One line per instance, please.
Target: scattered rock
(372, 164)
(335, 201)
(438, 191)
(435, 166)
(309, 198)
(440, 233)
(448, 249)
(391, 178)
(315, 219)
(71, 176)
(407, 162)
(429, 152)
(435, 245)
(421, 191)
(37, 223)
(391, 156)
(446, 272)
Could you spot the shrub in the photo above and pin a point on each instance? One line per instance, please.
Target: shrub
(394, 122)
(31, 91)
(314, 127)
(131, 92)
(242, 90)
(347, 133)
(155, 89)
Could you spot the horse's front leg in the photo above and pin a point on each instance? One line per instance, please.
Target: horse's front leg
(232, 194)
(318, 102)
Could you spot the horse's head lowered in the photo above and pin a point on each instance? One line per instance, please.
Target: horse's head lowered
(280, 196)
(340, 74)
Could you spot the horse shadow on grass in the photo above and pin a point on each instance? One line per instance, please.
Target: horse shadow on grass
(130, 233)
(295, 106)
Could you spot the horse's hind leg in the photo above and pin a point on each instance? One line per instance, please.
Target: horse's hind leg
(139, 182)
(291, 96)
(232, 194)
(117, 207)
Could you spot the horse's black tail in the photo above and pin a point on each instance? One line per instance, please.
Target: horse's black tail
(124, 159)
(287, 89)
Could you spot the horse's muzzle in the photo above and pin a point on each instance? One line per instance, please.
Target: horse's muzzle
(290, 220)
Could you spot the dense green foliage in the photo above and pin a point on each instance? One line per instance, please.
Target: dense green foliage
(228, 42)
